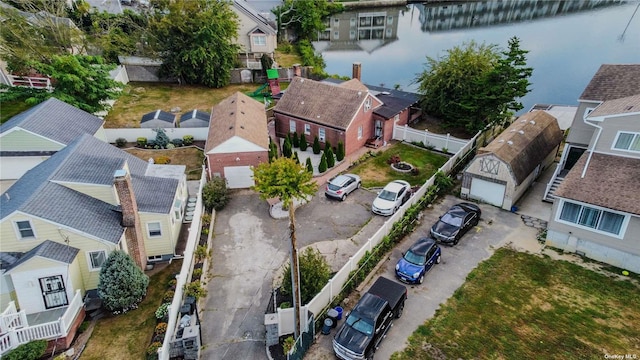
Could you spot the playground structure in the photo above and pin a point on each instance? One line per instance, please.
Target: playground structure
(268, 89)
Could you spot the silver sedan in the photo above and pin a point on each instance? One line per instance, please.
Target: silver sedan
(342, 185)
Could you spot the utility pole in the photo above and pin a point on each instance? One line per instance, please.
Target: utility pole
(295, 271)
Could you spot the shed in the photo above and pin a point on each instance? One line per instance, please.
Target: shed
(195, 119)
(158, 119)
(503, 170)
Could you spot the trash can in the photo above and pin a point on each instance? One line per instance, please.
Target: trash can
(326, 328)
(339, 310)
(333, 315)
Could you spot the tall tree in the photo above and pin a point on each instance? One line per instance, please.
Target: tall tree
(196, 40)
(305, 18)
(285, 179)
(122, 284)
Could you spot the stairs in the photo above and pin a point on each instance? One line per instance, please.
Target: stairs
(550, 196)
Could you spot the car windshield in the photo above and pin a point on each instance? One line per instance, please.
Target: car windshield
(360, 324)
(413, 258)
(387, 195)
(451, 220)
(334, 187)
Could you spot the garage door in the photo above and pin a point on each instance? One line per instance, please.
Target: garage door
(238, 177)
(487, 191)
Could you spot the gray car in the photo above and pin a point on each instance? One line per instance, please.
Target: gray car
(342, 185)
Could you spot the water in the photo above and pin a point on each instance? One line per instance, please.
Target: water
(566, 47)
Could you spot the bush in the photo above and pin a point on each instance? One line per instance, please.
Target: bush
(314, 275)
(162, 159)
(162, 140)
(187, 140)
(120, 142)
(170, 146)
(195, 289)
(309, 165)
(286, 148)
(30, 351)
(288, 344)
(273, 150)
(215, 194)
(152, 350)
(83, 327)
(168, 296)
(327, 145)
(322, 167)
(340, 151)
(200, 253)
(161, 328)
(296, 158)
(331, 160)
(197, 273)
(163, 310)
(151, 144)
(316, 146)
(172, 284)
(177, 142)
(303, 143)
(206, 220)
(122, 283)
(294, 140)
(142, 141)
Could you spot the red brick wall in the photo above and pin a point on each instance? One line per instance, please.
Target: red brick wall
(217, 162)
(63, 343)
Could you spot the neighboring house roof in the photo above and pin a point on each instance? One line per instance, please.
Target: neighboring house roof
(261, 22)
(56, 120)
(610, 182)
(41, 191)
(49, 250)
(354, 84)
(321, 103)
(563, 113)
(238, 116)
(613, 81)
(158, 115)
(624, 106)
(195, 118)
(526, 143)
(42, 18)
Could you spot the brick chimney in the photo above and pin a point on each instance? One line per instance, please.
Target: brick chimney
(130, 218)
(297, 70)
(357, 71)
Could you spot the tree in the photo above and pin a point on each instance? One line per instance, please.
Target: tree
(309, 165)
(267, 63)
(161, 138)
(195, 40)
(303, 142)
(295, 157)
(322, 167)
(215, 194)
(294, 140)
(474, 85)
(122, 284)
(315, 272)
(286, 147)
(331, 160)
(305, 18)
(273, 150)
(316, 146)
(340, 151)
(286, 180)
(327, 145)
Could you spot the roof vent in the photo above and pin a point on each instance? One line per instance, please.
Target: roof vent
(385, 93)
(521, 132)
(510, 142)
(524, 121)
(532, 122)
(629, 107)
(359, 93)
(301, 80)
(230, 127)
(513, 130)
(301, 102)
(318, 116)
(501, 140)
(241, 126)
(242, 112)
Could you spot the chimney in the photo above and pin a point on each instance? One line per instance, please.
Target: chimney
(357, 71)
(297, 70)
(130, 218)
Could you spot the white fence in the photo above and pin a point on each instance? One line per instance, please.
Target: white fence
(30, 81)
(438, 141)
(132, 135)
(185, 273)
(333, 288)
(16, 331)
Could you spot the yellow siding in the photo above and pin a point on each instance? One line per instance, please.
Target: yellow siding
(100, 192)
(5, 299)
(20, 140)
(160, 245)
(75, 275)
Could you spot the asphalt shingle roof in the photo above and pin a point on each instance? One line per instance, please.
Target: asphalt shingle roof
(195, 118)
(50, 250)
(159, 115)
(613, 81)
(626, 105)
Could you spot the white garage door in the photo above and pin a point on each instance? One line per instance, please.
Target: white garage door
(15, 167)
(487, 191)
(238, 177)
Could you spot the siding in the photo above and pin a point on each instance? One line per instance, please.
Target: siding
(25, 280)
(20, 140)
(162, 245)
(246, 24)
(610, 128)
(581, 133)
(101, 134)
(105, 193)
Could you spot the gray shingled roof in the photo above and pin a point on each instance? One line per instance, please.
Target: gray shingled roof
(55, 120)
(159, 115)
(195, 118)
(613, 81)
(49, 250)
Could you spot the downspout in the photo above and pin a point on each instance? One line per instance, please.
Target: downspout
(586, 165)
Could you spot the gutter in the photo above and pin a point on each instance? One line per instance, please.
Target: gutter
(586, 165)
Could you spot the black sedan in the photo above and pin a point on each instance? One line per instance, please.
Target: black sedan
(455, 223)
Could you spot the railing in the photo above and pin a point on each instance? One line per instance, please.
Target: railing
(11, 318)
(30, 81)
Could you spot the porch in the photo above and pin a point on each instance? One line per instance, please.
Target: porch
(60, 324)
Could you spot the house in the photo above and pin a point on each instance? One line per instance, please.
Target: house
(346, 112)
(503, 170)
(195, 119)
(158, 119)
(63, 218)
(238, 139)
(256, 34)
(596, 209)
(34, 135)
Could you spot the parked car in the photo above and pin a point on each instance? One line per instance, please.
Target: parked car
(392, 196)
(456, 222)
(419, 259)
(342, 185)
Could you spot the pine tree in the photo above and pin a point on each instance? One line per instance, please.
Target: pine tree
(340, 151)
(294, 140)
(286, 147)
(303, 143)
(327, 145)
(122, 284)
(296, 158)
(316, 146)
(322, 167)
(331, 160)
(309, 165)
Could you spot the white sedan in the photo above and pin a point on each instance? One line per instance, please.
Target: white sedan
(391, 198)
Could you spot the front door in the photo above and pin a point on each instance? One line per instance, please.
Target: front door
(53, 291)
(378, 129)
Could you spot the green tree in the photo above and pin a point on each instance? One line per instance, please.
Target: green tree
(322, 167)
(305, 18)
(328, 155)
(315, 272)
(327, 145)
(161, 138)
(316, 146)
(295, 157)
(286, 148)
(267, 63)
(122, 284)
(294, 140)
(309, 165)
(340, 151)
(286, 180)
(273, 150)
(195, 40)
(303, 143)
(215, 194)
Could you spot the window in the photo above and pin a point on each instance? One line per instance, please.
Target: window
(389, 20)
(352, 35)
(292, 126)
(307, 129)
(360, 132)
(592, 218)
(352, 22)
(336, 22)
(627, 141)
(96, 259)
(336, 35)
(154, 229)
(367, 104)
(25, 229)
(321, 134)
(260, 40)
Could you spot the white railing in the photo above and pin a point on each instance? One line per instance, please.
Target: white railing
(333, 288)
(11, 318)
(66, 320)
(437, 141)
(30, 81)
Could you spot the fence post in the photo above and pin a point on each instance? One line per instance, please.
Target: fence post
(404, 135)
(350, 263)
(426, 136)
(446, 143)
(330, 290)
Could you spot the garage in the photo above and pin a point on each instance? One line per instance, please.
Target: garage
(489, 192)
(238, 177)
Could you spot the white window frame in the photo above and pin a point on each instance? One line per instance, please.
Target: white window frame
(636, 137)
(336, 22)
(90, 259)
(359, 132)
(307, 129)
(259, 40)
(623, 227)
(292, 126)
(154, 258)
(321, 134)
(352, 22)
(336, 35)
(389, 20)
(19, 232)
(587, 111)
(367, 104)
(149, 229)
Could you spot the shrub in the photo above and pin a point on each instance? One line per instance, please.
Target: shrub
(322, 167)
(195, 289)
(122, 283)
(415, 171)
(331, 160)
(161, 328)
(296, 158)
(314, 274)
(393, 159)
(215, 194)
(309, 165)
(142, 141)
(177, 142)
(286, 148)
(163, 310)
(295, 141)
(83, 327)
(161, 138)
(303, 143)
(273, 150)
(120, 142)
(170, 146)
(206, 220)
(172, 284)
(442, 182)
(168, 296)
(162, 159)
(316, 146)
(187, 140)
(285, 305)
(200, 253)
(152, 350)
(327, 145)
(340, 151)
(197, 273)
(30, 351)
(151, 144)
(445, 150)
(287, 344)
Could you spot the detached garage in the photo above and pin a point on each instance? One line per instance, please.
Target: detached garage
(238, 139)
(503, 170)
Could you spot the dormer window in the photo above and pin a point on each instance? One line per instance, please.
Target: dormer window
(367, 104)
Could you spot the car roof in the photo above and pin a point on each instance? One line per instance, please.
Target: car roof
(396, 185)
(462, 209)
(423, 245)
(340, 179)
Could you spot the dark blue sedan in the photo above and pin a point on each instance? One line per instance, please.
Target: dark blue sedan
(419, 259)
(455, 223)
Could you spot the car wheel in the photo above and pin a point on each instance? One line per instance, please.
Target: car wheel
(359, 185)
(370, 356)
(343, 197)
(475, 223)
(455, 241)
(400, 310)
(438, 259)
(421, 279)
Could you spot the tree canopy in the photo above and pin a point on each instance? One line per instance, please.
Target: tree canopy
(122, 284)
(315, 272)
(305, 17)
(475, 85)
(285, 179)
(195, 40)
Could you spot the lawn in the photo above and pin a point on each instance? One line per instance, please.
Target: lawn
(127, 336)
(191, 157)
(521, 306)
(376, 172)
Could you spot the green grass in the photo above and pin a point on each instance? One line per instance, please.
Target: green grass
(521, 306)
(375, 172)
(8, 109)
